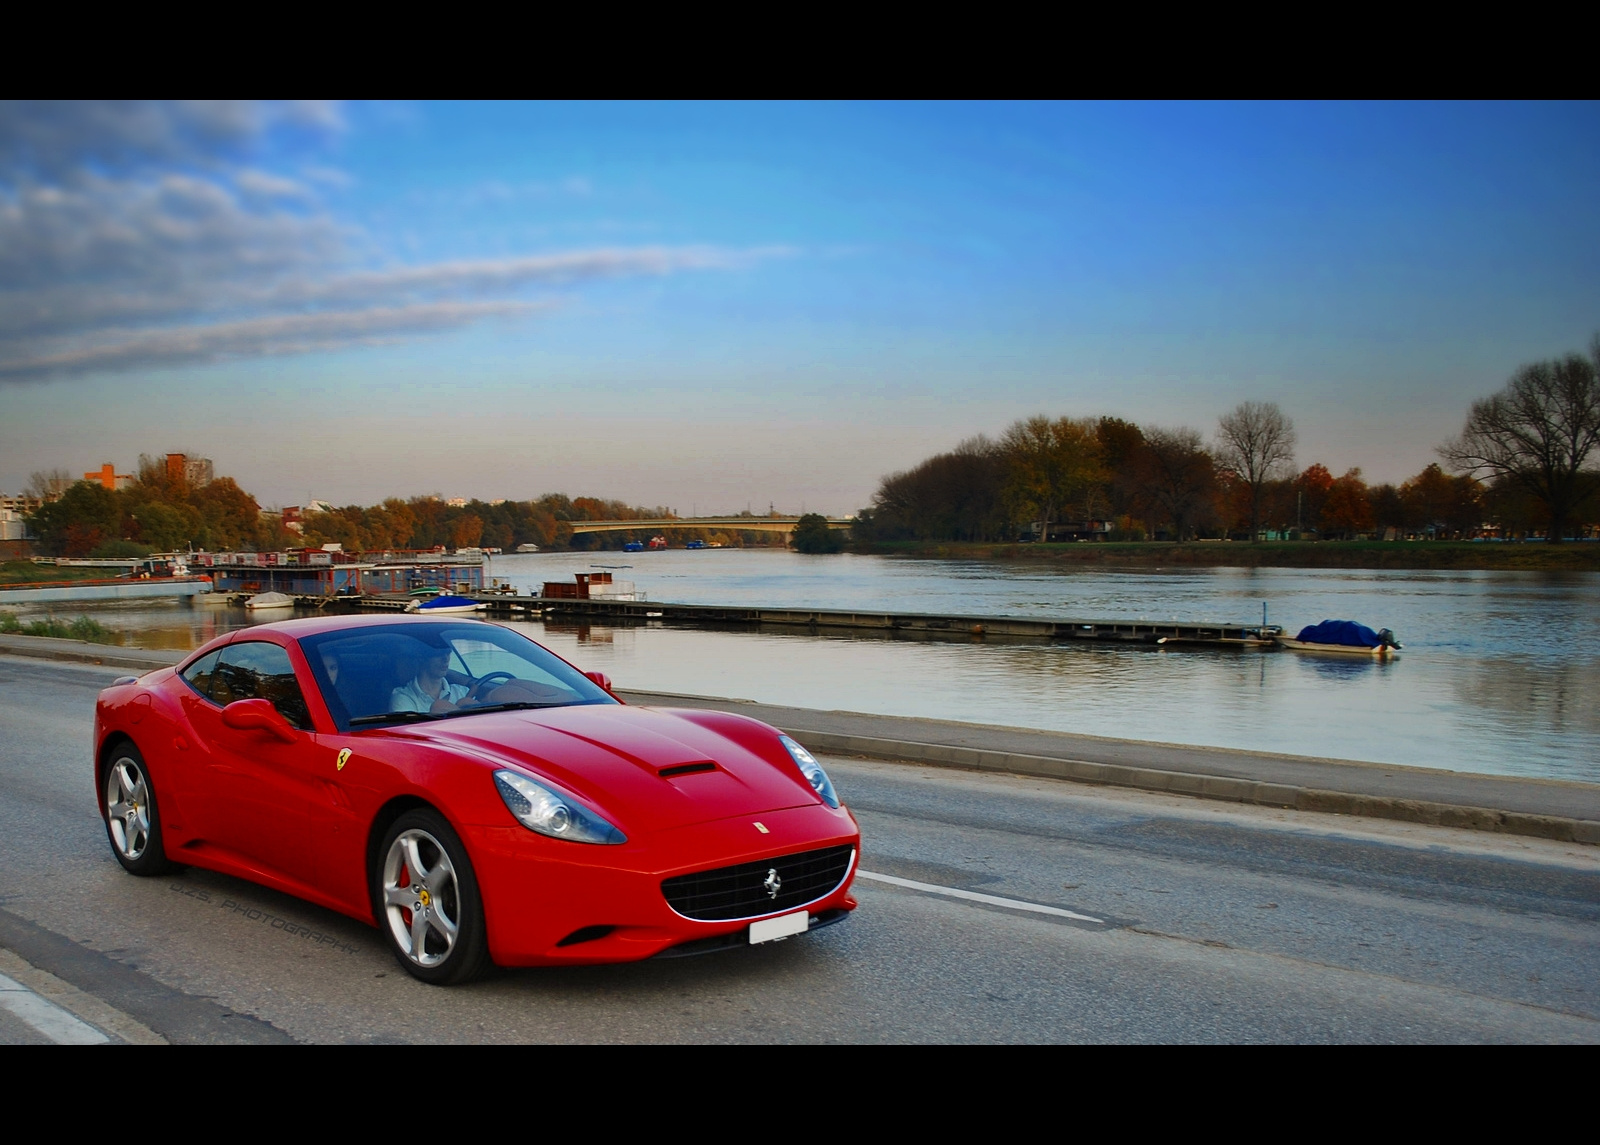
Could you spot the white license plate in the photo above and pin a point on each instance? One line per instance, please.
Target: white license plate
(785, 925)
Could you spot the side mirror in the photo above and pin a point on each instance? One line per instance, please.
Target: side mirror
(258, 716)
(600, 678)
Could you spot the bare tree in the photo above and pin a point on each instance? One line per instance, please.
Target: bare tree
(1176, 477)
(1256, 443)
(49, 484)
(1538, 433)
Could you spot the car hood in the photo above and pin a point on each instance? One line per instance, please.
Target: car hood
(612, 757)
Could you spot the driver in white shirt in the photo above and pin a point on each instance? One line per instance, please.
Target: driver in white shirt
(429, 690)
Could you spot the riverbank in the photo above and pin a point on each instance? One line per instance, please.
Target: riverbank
(20, 573)
(1576, 556)
(1543, 808)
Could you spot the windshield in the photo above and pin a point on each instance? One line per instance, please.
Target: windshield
(438, 670)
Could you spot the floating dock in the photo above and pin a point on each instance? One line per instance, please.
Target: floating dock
(103, 590)
(897, 623)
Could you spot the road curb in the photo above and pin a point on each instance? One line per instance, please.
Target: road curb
(1220, 787)
(83, 652)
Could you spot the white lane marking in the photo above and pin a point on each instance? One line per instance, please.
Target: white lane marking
(45, 1016)
(974, 896)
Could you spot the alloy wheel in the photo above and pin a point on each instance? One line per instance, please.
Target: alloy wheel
(128, 808)
(421, 898)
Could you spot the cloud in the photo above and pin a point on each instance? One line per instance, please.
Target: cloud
(256, 337)
(135, 234)
(270, 186)
(57, 140)
(485, 275)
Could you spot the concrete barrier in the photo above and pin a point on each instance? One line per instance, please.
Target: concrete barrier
(1220, 787)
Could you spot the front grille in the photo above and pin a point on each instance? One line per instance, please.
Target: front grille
(744, 891)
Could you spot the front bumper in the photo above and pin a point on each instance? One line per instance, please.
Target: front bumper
(606, 902)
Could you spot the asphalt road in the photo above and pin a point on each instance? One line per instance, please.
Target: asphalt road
(1211, 922)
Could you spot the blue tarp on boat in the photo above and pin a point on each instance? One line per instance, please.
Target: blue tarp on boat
(1345, 632)
(445, 601)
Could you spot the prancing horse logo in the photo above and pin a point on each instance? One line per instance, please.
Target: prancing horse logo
(772, 883)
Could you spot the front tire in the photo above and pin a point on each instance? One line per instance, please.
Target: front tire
(426, 900)
(133, 819)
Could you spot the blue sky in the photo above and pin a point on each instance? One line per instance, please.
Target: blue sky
(708, 306)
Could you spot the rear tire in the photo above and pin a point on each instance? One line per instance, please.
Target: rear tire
(133, 818)
(425, 898)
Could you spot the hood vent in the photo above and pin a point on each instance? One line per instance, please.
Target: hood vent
(686, 769)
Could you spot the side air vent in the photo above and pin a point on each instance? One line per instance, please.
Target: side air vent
(686, 769)
(586, 934)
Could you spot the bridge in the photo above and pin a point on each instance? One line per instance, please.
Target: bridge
(742, 524)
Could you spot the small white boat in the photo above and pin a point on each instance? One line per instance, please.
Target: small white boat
(1382, 650)
(528, 548)
(270, 600)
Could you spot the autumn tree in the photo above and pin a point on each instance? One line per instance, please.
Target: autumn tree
(1310, 490)
(80, 520)
(1346, 508)
(1120, 442)
(1256, 443)
(1442, 504)
(959, 495)
(1049, 464)
(1539, 432)
(1175, 477)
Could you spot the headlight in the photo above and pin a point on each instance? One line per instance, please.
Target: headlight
(553, 813)
(812, 770)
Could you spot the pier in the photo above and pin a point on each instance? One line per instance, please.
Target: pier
(912, 624)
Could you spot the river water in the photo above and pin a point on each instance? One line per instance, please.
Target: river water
(1500, 671)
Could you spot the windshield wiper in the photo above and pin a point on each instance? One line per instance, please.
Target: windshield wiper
(511, 706)
(385, 717)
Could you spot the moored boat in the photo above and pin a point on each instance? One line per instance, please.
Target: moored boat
(446, 604)
(270, 600)
(1342, 638)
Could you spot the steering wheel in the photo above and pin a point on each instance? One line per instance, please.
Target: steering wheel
(490, 678)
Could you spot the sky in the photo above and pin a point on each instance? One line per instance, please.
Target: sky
(715, 306)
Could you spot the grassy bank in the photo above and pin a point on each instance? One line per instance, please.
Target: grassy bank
(1574, 556)
(26, 572)
(83, 628)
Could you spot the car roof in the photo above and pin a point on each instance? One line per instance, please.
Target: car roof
(317, 625)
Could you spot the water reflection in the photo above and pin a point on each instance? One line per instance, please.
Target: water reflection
(1532, 698)
(1345, 667)
(1499, 674)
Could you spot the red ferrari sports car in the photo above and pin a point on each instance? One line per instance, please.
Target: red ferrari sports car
(470, 793)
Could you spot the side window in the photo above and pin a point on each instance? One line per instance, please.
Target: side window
(257, 669)
(198, 675)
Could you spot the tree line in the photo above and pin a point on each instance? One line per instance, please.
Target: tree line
(1521, 464)
(157, 512)
(161, 512)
